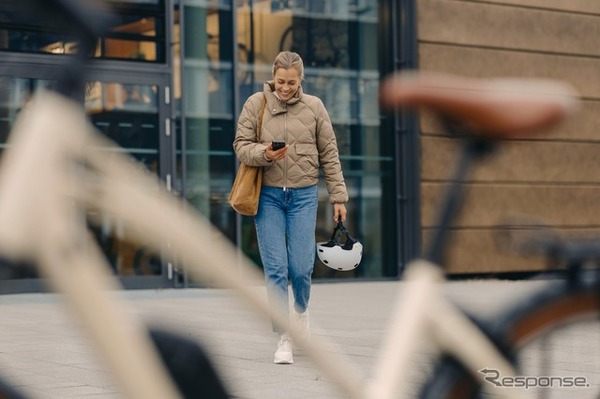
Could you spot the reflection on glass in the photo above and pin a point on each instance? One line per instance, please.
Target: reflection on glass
(127, 114)
(134, 38)
(207, 63)
(107, 96)
(208, 103)
(204, 154)
(136, 35)
(130, 50)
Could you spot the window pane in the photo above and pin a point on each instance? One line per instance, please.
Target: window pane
(138, 34)
(204, 156)
(135, 37)
(127, 114)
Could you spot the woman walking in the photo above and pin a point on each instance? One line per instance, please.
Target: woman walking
(287, 213)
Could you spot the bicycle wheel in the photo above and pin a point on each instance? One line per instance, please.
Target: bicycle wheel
(8, 391)
(553, 338)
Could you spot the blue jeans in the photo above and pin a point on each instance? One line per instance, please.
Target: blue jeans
(285, 228)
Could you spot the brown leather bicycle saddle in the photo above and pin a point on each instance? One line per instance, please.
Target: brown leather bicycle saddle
(494, 108)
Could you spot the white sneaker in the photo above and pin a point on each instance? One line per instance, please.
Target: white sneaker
(284, 353)
(303, 323)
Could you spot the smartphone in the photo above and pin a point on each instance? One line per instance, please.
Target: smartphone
(278, 145)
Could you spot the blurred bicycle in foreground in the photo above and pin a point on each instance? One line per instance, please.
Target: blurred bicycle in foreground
(54, 171)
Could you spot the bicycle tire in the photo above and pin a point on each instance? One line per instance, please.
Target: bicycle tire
(558, 307)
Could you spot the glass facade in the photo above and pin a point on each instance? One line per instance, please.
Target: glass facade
(125, 100)
(168, 81)
(226, 55)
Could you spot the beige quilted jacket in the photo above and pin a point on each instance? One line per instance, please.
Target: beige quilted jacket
(304, 124)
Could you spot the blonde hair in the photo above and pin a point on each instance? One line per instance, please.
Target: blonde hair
(287, 60)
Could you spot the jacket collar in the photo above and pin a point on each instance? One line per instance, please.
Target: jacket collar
(269, 90)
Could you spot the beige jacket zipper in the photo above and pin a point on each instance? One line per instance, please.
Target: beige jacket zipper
(285, 160)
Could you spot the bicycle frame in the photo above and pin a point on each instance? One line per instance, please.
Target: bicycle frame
(422, 311)
(51, 173)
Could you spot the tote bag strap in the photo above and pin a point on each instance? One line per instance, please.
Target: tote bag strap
(260, 118)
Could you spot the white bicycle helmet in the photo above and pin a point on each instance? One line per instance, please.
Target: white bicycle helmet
(337, 255)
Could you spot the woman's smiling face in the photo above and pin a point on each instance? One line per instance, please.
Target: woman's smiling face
(287, 82)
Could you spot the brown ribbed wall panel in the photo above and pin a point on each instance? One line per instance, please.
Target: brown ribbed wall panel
(578, 6)
(553, 178)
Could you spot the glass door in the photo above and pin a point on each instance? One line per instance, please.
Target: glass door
(133, 112)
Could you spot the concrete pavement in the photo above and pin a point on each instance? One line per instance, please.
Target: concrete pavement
(44, 352)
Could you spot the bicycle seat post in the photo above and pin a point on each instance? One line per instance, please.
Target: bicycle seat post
(473, 148)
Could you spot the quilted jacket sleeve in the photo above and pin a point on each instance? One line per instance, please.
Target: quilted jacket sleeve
(247, 150)
(329, 156)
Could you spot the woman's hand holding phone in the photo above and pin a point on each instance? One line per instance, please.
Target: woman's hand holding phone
(277, 150)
